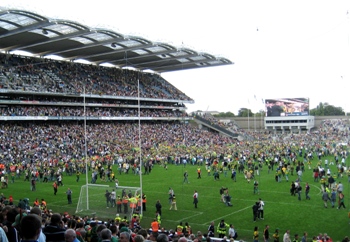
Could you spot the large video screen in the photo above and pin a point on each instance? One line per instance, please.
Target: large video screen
(287, 107)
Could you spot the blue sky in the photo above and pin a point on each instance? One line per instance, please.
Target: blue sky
(281, 49)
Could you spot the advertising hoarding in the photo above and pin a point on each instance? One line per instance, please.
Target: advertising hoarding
(287, 107)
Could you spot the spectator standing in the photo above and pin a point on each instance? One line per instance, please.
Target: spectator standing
(43, 204)
(261, 209)
(159, 218)
(199, 173)
(286, 236)
(119, 204)
(33, 184)
(30, 227)
(114, 231)
(54, 231)
(256, 187)
(78, 176)
(124, 237)
(187, 228)
(159, 208)
(341, 200)
(255, 209)
(292, 189)
(186, 177)
(333, 197)
(195, 198)
(266, 233)
(59, 180)
(221, 229)
(170, 193)
(125, 202)
(296, 238)
(325, 198)
(113, 198)
(300, 174)
(55, 187)
(307, 190)
(106, 235)
(340, 187)
(211, 230)
(179, 229)
(37, 211)
(70, 236)
(155, 226)
(173, 203)
(3, 237)
(69, 195)
(80, 230)
(304, 238)
(276, 236)
(299, 188)
(144, 202)
(108, 198)
(231, 232)
(233, 175)
(162, 238)
(256, 234)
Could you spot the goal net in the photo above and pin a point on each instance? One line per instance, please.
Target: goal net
(105, 202)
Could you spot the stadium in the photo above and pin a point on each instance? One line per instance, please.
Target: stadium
(61, 118)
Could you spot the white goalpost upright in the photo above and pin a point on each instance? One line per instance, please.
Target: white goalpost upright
(92, 196)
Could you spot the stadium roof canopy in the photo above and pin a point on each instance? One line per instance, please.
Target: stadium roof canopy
(27, 31)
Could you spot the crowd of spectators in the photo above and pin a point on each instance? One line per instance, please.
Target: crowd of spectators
(37, 99)
(43, 141)
(65, 227)
(16, 219)
(47, 143)
(64, 111)
(50, 144)
(45, 75)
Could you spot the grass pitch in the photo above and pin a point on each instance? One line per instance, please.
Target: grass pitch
(281, 210)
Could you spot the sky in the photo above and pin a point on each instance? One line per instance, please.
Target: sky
(280, 49)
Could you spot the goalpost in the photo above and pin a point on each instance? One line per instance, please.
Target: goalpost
(95, 203)
(92, 197)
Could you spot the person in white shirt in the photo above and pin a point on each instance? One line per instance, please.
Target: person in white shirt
(113, 198)
(340, 187)
(231, 231)
(286, 237)
(261, 209)
(300, 173)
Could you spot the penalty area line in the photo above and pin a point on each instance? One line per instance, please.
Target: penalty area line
(227, 215)
(198, 213)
